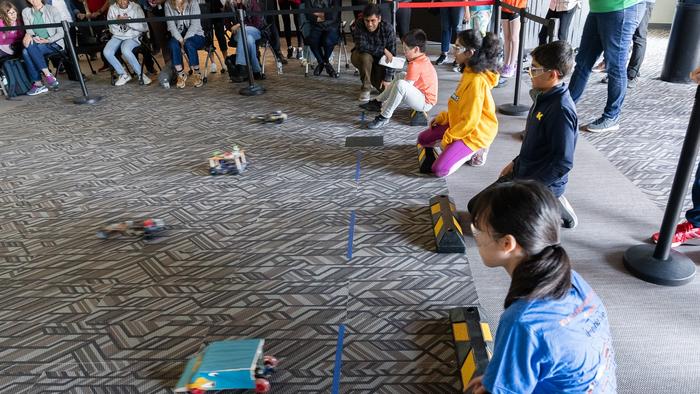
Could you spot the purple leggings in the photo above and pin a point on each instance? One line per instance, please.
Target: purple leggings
(454, 156)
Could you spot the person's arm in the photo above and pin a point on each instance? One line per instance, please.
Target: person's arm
(54, 17)
(470, 106)
(172, 27)
(141, 27)
(517, 362)
(562, 137)
(112, 14)
(27, 20)
(195, 24)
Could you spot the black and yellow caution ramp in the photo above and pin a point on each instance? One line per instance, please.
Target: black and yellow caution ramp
(426, 158)
(470, 336)
(448, 232)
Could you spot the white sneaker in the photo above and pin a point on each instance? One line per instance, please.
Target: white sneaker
(146, 80)
(364, 96)
(122, 80)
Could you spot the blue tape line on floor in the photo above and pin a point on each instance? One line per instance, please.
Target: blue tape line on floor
(357, 166)
(351, 234)
(338, 360)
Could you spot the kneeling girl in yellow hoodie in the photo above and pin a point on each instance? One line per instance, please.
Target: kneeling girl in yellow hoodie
(469, 124)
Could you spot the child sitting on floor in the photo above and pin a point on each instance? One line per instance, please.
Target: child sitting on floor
(470, 123)
(418, 87)
(547, 152)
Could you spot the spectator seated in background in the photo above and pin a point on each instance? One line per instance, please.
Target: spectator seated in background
(323, 34)
(187, 35)
(553, 335)
(41, 42)
(253, 29)
(547, 152)
(469, 125)
(373, 39)
(126, 38)
(418, 87)
(10, 41)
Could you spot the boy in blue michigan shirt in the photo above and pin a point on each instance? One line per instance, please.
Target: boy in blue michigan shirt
(547, 152)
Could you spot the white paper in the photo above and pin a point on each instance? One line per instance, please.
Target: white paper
(396, 62)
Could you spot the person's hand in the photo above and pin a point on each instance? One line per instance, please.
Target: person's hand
(27, 41)
(235, 28)
(39, 40)
(389, 56)
(81, 16)
(507, 170)
(386, 84)
(476, 386)
(695, 75)
(182, 42)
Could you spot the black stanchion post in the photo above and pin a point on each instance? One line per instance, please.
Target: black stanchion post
(496, 28)
(252, 89)
(661, 265)
(86, 98)
(516, 109)
(551, 23)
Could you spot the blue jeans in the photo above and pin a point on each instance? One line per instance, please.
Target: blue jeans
(34, 58)
(252, 35)
(450, 18)
(322, 41)
(127, 50)
(611, 34)
(192, 45)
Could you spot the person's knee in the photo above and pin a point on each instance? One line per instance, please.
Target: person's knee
(440, 170)
(401, 85)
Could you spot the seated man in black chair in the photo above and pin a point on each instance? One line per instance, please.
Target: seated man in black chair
(254, 26)
(126, 38)
(373, 39)
(323, 34)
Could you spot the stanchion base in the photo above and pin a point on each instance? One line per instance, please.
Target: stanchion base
(87, 100)
(513, 110)
(252, 90)
(678, 270)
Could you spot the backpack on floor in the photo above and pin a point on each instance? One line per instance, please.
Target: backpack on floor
(17, 80)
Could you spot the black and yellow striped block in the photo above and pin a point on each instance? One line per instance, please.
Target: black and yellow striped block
(471, 336)
(446, 228)
(426, 158)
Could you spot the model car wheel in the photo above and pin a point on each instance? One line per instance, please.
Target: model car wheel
(196, 391)
(270, 361)
(262, 385)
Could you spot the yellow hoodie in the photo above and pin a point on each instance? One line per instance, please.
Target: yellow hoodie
(471, 112)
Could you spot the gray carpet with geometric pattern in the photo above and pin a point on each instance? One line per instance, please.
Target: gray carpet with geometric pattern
(262, 254)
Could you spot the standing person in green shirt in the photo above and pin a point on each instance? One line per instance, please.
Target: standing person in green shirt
(609, 28)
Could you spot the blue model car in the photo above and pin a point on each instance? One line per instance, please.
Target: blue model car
(228, 365)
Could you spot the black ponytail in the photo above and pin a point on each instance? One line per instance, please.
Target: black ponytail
(530, 213)
(487, 49)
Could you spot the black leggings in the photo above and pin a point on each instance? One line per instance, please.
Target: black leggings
(287, 22)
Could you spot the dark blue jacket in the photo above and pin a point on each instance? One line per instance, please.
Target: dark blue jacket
(547, 152)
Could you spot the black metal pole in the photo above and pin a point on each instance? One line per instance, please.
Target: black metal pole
(496, 28)
(660, 264)
(86, 98)
(516, 109)
(550, 29)
(252, 89)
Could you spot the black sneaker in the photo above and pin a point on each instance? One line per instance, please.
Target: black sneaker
(440, 59)
(331, 71)
(372, 106)
(604, 80)
(290, 52)
(419, 118)
(378, 122)
(258, 76)
(281, 58)
(319, 69)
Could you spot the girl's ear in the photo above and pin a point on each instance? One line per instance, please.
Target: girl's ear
(507, 243)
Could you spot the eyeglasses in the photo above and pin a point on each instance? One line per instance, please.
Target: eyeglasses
(531, 71)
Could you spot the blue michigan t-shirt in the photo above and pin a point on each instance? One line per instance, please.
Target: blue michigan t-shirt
(554, 346)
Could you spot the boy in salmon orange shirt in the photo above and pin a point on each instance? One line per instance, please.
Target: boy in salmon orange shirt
(418, 88)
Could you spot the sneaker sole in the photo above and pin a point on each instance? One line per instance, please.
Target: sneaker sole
(594, 130)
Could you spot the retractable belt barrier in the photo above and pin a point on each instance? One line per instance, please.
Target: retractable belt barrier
(507, 109)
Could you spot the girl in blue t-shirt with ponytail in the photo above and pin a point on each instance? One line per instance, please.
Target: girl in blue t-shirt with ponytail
(553, 336)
